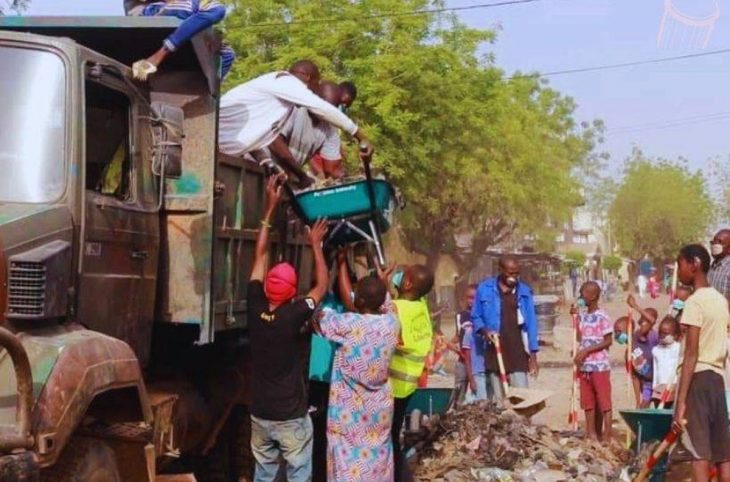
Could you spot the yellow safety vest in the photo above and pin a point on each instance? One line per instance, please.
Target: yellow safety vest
(408, 360)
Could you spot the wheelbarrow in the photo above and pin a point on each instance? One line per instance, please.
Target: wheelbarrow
(650, 425)
(431, 401)
(358, 210)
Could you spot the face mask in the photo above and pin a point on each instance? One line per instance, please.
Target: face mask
(622, 338)
(511, 281)
(582, 303)
(398, 278)
(668, 340)
(716, 249)
(678, 304)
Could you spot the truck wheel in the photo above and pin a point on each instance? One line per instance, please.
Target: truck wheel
(84, 460)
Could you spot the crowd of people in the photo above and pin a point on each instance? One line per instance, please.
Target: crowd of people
(382, 331)
(679, 361)
(370, 341)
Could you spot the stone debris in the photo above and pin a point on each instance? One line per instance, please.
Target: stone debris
(481, 442)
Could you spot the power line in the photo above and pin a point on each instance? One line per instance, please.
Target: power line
(407, 13)
(622, 64)
(670, 123)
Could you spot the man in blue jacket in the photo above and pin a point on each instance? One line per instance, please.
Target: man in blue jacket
(504, 306)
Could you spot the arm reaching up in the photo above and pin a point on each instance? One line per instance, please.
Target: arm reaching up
(344, 284)
(261, 255)
(647, 315)
(317, 234)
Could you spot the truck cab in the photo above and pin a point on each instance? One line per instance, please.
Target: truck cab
(126, 243)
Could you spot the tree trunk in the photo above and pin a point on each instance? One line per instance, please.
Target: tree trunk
(433, 256)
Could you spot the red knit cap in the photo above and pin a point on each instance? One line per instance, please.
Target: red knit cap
(280, 285)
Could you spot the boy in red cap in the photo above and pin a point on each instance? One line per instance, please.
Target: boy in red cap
(280, 425)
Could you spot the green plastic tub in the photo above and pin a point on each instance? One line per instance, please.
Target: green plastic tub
(346, 201)
(430, 401)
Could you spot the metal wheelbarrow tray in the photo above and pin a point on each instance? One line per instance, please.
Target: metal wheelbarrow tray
(349, 209)
(650, 425)
(431, 401)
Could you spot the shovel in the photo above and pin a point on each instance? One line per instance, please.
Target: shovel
(523, 401)
(667, 443)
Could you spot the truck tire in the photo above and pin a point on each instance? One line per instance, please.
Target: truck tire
(84, 460)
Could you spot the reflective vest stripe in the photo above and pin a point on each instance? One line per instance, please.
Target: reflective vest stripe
(402, 376)
(409, 356)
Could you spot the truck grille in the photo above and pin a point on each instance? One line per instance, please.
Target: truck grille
(26, 288)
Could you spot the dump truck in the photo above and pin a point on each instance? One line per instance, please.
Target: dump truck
(126, 242)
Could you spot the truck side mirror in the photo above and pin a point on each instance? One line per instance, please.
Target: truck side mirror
(167, 135)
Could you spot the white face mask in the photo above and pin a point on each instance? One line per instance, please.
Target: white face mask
(668, 340)
(716, 249)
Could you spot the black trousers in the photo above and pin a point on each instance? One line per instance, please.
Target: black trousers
(319, 393)
(399, 416)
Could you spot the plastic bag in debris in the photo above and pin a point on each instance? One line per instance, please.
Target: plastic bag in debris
(492, 475)
(540, 472)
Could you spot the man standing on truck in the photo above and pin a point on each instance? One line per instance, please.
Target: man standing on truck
(253, 114)
(280, 425)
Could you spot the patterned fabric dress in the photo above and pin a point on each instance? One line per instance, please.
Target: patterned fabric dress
(361, 402)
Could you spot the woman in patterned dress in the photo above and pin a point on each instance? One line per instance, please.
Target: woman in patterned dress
(361, 403)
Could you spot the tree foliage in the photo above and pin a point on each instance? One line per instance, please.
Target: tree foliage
(575, 259)
(720, 170)
(612, 263)
(13, 6)
(659, 206)
(472, 151)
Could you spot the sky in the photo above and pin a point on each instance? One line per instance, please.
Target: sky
(553, 35)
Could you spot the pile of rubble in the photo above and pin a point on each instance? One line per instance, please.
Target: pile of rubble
(481, 442)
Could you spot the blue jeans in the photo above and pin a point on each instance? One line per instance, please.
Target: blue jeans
(194, 22)
(291, 439)
(517, 380)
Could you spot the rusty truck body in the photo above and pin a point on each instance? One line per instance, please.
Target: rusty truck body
(126, 242)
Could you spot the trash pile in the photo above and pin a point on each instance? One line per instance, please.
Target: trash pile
(481, 442)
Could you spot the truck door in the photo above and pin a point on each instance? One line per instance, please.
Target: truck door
(121, 229)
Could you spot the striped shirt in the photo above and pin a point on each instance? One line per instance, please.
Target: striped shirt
(138, 7)
(719, 276)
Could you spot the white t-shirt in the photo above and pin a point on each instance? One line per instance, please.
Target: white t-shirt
(253, 113)
(666, 360)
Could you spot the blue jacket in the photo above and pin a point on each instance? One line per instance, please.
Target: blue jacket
(487, 311)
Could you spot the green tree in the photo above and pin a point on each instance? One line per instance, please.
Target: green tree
(720, 169)
(472, 151)
(659, 206)
(612, 263)
(575, 259)
(15, 6)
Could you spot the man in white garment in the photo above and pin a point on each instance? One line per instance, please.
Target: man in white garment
(253, 114)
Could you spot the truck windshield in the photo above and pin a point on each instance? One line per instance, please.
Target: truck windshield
(32, 125)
